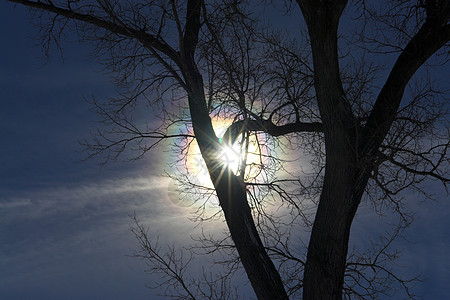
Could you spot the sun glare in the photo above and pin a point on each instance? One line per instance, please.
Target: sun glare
(231, 155)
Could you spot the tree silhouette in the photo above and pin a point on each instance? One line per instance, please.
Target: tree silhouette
(320, 95)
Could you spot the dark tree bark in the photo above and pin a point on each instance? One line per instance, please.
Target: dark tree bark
(327, 251)
(232, 195)
(350, 150)
(263, 276)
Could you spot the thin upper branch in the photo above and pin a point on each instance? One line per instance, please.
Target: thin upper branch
(148, 40)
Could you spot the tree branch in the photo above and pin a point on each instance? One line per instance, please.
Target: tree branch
(147, 39)
(430, 37)
(267, 126)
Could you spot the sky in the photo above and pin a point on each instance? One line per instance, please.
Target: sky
(64, 224)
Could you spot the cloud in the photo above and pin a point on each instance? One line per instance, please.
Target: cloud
(55, 236)
(108, 195)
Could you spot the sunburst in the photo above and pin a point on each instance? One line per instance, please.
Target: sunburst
(240, 157)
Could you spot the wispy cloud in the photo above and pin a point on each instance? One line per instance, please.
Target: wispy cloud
(53, 236)
(107, 195)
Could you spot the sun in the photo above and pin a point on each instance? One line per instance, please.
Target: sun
(230, 156)
(238, 158)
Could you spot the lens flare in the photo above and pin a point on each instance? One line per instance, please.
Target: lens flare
(241, 157)
(230, 156)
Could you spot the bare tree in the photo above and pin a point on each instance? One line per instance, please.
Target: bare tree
(319, 95)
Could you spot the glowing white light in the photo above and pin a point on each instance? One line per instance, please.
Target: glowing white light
(230, 156)
(235, 156)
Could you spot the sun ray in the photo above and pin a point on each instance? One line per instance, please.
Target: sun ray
(243, 158)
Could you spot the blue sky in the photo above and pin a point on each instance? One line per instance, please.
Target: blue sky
(64, 225)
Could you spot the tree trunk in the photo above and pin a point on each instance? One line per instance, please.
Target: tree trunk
(260, 269)
(328, 245)
(232, 195)
(327, 251)
(349, 148)
(344, 184)
(263, 275)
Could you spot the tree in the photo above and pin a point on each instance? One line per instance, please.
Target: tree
(214, 59)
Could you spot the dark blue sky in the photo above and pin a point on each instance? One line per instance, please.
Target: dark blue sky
(64, 224)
